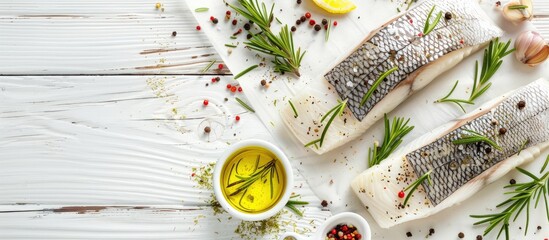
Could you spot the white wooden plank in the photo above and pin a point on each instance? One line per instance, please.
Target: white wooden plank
(113, 37)
(145, 223)
(100, 37)
(120, 140)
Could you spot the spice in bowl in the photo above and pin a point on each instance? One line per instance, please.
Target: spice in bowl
(343, 231)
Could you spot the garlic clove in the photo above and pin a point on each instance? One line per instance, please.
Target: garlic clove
(531, 48)
(518, 15)
(540, 57)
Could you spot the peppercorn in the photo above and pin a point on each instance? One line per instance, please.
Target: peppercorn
(215, 21)
(174, 33)
(539, 227)
(239, 31)
(502, 131)
(408, 234)
(297, 22)
(234, 22)
(324, 21)
(217, 79)
(312, 22)
(226, 99)
(303, 18)
(431, 231)
(233, 89)
(308, 15)
(293, 28)
(157, 5)
(207, 129)
(512, 181)
(479, 237)
(205, 102)
(488, 150)
(521, 104)
(335, 23)
(237, 118)
(498, 3)
(317, 27)
(220, 66)
(448, 15)
(298, 1)
(239, 89)
(228, 12)
(198, 28)
(247, 26)
(263, 82)
(249, 36)
(401, 194)
(461, 235)
(324, 203)
(229, 86)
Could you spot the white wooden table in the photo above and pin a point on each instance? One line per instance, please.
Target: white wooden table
(100, 121)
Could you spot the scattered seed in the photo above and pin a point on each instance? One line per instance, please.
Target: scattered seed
(234, 22)
(303, 19)
(157, 5)
(461, 235)
(215, 21)
(324, 203)
(312, 22)
(263, 82)
(335, 23)
(324, 21)
(539, 227)
(198, 28)
(431, 231)
(205, 102)
(512, 181)
(521, 104)
(207, 129)
(220, 66)
(479, 237)
(502, 131)
(297, 22)
(448, 15)
(408, 234)
(237, 118)
(308, 15)
(317, 27)
(293, 28)
(247, 26)
(298, 1)
(174, 33)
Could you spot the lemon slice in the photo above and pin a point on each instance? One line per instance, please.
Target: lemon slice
(336, 6)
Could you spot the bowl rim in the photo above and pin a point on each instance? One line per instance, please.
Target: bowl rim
(348, 218)
(217, 177)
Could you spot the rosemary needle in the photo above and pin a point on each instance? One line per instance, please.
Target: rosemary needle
(515, 7)
(230, 45)
(333, 113)
(429, 27)
(245, 71)
(244, 105)
(474, 137)
(201, 9)
(293, 109)
(376, 84)
(415, 185)
(208, 67)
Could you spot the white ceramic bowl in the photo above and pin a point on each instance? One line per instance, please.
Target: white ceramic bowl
(285, 195)
(348, 218)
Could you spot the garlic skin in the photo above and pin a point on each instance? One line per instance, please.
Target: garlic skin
(518, 15)
(531, 48)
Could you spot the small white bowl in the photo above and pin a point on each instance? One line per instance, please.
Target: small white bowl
(348, 218)
(285, 195)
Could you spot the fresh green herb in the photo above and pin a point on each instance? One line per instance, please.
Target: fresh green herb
(291, 204)
(259, 173)
(245, 71)
(412, 188)
(230, 45)
(522, 146)
(376, 84)
(522, 196)
(244, 105)
(391, 140)
(202, 9)
(278, 21)
(491, 62)
(233, 37)
(281, 46)
(429, 27)
(515, 7)
(328, 30)
(474, 137)
(333, 113)
(293, 108)
(208, 67)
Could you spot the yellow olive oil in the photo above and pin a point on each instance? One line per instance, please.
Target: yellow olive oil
(253, 179)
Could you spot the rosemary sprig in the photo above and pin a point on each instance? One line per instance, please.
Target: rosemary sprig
(522, 196)
(244, 105)
(474, 137)
(201, 9)
(333, 113)
(376, 84)
(392, 139)
(293, 109)
(291, 204)
(230, 45)
(328, 30)
(245, 71)
(208, 66)
(429, 27)
(280, 46)
(491, 62)
(415, 185)
(515, 7)
(260, 173)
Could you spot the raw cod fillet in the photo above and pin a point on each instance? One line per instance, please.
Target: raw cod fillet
(518, 122)
(398, 43)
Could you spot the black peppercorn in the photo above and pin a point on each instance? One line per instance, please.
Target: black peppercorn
(502, 131)
(488, 150)
(539, 227)
(303, 18)
(317, 27)
(521, 104)
(217, 79)
(298, 1)
(174, 33)
(263, 82)
(293, 28)
(226, 99)
(324, 203)
(448, 15)
(461, 235)
(408, 234)
(249, 36)
(324, 21)
(431, 231)
(512, 181)
(479, 237)
(297, 22)
(247, 26)
(215, 21)
(207, 129)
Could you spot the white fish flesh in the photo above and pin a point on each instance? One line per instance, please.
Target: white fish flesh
(518, 122)
(398, 43)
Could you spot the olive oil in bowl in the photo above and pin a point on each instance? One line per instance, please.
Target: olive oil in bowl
(252, 180)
